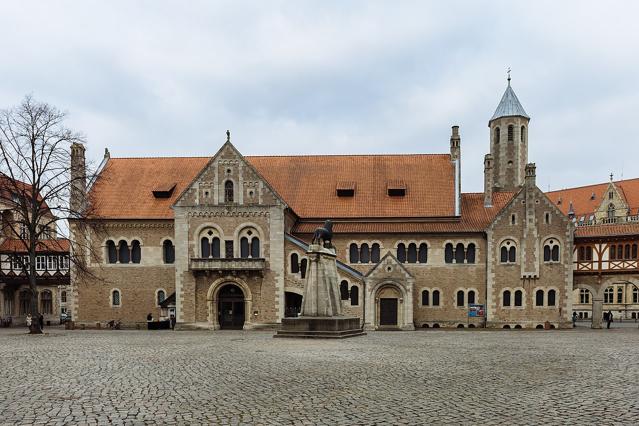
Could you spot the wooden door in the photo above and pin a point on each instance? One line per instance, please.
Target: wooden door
(388, 311)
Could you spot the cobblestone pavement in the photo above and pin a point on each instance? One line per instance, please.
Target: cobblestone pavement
(435, 377)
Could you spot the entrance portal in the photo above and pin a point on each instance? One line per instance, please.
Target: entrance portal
(231, 307)
(388, 311)
(292, 304)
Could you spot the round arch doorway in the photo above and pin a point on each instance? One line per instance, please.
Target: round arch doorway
(231, 307)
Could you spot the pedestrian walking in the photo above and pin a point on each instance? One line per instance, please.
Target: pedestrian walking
(608, 319)
(29, 321)
(172, 319)
(574, 319)
(41, 321)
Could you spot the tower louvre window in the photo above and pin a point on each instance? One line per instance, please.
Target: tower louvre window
(511, 131)
(497, 131)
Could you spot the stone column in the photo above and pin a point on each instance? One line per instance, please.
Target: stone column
(597, 312)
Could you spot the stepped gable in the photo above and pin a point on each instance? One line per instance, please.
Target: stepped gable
(583, 202)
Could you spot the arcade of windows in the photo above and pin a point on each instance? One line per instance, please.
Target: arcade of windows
(364, 253)
(459, 253)
(609, 295)
(24, 302)
(508, 252)
(115, 297)
(297, 266)
(123, 252)
(431, 297)
(465, 297)
(515, 299)
(351, 294)
(511, 134)
(551, 250)
(211, 244)
(412, 253)
(546, 298)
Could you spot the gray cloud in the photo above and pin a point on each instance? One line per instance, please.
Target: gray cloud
(168, 77)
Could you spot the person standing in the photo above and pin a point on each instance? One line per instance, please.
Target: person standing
(172, 320)
(41, 321)
(29, 321)
(608, 319)
(574, 319)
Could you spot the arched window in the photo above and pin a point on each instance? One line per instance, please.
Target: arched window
(412, 253)
(435, 297)
(24, 299)
(343, 290)
(584, 296)
(244, 248)
(123, 252)
(63, 297)
(506, 298)
(353, 252)
(609, 295)
(115, 298)
(508, 252)
(136, 251)
(46, 302)
(303, 265)
(470, 253)
(552, 296)
(471, 297)
(401, 253)
(425, 298)
(228, 191)
(635, 295)
(459, 253)
(422, 256)
(497, 134)
(295, 263)
(460, 298)
(551, 251)
(539, 298)
(611, 211)
(161, 295)
(215, 248)
(518, 297)
(365, 254)
(522, 134)
(112, 252)
(448, 253)
(375, 253)
(205, 247)
(511, 131)
(354, 295)
(168, 250)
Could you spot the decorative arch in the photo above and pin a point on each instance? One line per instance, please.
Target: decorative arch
(405, 302)
(157, 298)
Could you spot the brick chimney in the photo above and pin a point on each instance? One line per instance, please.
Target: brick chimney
(78, 178)
(488, 180)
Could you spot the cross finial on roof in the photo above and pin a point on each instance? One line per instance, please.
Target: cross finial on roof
(228, 136)
(611, 176)
(508, 75)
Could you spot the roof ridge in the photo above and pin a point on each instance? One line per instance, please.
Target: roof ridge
(616, 182)
(348, 155)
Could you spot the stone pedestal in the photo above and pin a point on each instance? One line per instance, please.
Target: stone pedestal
(321, 307)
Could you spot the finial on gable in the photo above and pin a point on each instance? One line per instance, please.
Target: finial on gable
(508, 75)
(611, 177)
(228, 136)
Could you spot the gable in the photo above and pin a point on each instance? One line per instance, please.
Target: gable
(389, 268)
(228, 179)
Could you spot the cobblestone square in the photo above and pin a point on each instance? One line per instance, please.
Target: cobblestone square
(436, 377)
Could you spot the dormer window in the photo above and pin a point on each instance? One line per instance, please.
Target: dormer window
(592, 196)
(164, 191)
(345, 189)
(396, 188)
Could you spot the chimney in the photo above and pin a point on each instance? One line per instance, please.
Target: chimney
(531, 175)
(488, 180)
(78, 178)
(455, 144)
(571, 211)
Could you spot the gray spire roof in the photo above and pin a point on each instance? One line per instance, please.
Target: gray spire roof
(509, 105)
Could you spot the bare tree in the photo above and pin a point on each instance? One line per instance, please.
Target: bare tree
(37, 180)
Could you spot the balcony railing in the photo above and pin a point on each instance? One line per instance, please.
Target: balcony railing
(227, 264)
(607, 220)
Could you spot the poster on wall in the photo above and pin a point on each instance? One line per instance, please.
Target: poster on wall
(476, 311)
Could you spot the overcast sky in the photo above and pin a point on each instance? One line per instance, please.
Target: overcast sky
(167, 78)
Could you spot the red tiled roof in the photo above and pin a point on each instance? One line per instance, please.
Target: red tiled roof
(584, 205)
(124, 189)
(475, 218)
(607, 230)
(14, 245)
(306, 183)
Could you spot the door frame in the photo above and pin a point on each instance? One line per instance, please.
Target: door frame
(213, 301)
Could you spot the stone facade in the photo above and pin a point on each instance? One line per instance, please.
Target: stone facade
(240, 248)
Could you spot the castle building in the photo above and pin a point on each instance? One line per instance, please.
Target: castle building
(222, 240)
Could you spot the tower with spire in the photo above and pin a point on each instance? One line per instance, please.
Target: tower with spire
(509, 142)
